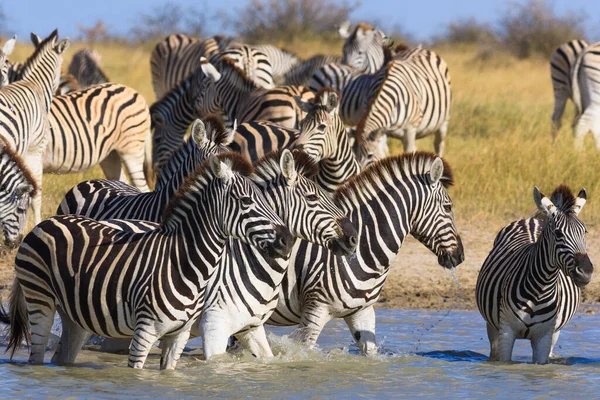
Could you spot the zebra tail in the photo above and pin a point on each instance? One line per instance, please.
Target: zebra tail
(18, 319)
(149, 171)
(576, 90)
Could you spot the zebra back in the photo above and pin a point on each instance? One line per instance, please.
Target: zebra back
(281, 60)
(254, 63)
(255, 139)
(85, 67)
(303, 71)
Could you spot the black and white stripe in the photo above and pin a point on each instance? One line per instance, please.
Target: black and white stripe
(253, 62)
(304, 70)
(528, 286)
(364, 47)
(389, 200)
(85, 67)
(150, 285)
(281, 61)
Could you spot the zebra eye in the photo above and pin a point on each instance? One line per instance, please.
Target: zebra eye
(247, 201)
(448, 208)
(312, 197)
(322, 127)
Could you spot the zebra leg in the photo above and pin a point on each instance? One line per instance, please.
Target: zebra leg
(541, 348)
(73, 337)
(506, 342)
(41, 318)
(35, 163)
(559, 109)
(215, 333)
(172, 348)
(141, 344)
(584, 125)
(112, 168)
(362, 327)
(134, 164)
(312, 322)
(255, 341)
(493, 336)
(439, 143)
(555, 336)
(408, 140)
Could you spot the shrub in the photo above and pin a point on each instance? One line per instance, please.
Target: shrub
(166, 19)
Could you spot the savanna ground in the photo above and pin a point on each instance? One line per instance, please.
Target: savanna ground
(499, 146)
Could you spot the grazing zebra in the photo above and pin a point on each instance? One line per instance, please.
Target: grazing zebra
(303, 71)
(7, 49)
(253, 62)
(238, 97)
(562, 62)
(412, 101)
(528, 286)
(364, 47)
(281, 61)
(17, 187)
(107, 124)
(149, 285)
(176, 58)
(585, 81)
(85, 67)
(323, 137)
(24, 108)
(244, 291)
(387, 201)
(102, 199)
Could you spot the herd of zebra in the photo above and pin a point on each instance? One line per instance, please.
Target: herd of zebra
(282, 207)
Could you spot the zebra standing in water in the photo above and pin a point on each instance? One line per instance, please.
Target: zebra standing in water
(237, 96)
(387, 201)
(528, 286)
(85, 67)
(148, 285)
(585, 80)
(562, 62)
(364, 47)
(24, 108)
(176, 58)
(17, 187)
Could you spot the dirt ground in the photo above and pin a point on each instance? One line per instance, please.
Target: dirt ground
(416, 280)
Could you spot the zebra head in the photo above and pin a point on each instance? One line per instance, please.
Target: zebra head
(322, 129)
(17, 187)
(370, 149)
(566, 232)
(48, 56)
(433, 224)
(245, 213)
(6, 51)
(305, 208)
(364, 47)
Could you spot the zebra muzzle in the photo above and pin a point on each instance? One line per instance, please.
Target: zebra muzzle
(583, 271)
(346, 244)
(281, 247)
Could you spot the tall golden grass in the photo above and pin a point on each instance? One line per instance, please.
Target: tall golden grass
(499, 142)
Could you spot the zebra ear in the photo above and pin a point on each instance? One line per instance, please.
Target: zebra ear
(288, 166)
(63, 45)
(9, 46)
(344, 30)
(209, 70)
(24, 188)
(35, 39)
(437, 170)
(579, 201)
(303, 105)
(198, 132)
(220, 169)
(231, 134)
(332, 103)
(543, 203)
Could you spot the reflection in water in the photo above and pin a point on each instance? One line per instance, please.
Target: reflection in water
(450, 363)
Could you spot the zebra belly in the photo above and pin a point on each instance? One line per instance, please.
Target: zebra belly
(526, 327)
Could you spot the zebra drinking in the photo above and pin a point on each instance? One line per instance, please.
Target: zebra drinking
(148, 285)
(529, 285)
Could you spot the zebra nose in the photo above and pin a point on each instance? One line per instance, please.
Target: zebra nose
(283, 243)
(584, 269)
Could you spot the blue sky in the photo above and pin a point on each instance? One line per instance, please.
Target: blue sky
(421, 18)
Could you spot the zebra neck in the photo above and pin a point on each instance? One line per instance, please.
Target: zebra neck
(175, 172)
(544, 269)
(337, 169)
(42, 75)
(232, 92)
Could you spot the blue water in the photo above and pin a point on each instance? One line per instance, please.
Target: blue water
(422, 353)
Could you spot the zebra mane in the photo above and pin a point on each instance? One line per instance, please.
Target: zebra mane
(267, 169)
(563, 198)
(216, 131)
(235, 161)
(16, 159)
(405, 166)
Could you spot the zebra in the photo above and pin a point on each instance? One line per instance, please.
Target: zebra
(17, 187)
(281, 61)
(244, 291)
(390, 199)
(413, 100)
(7, 49)
(562, 62)
(236, 95)
(85, 67)
(323, 137)
(25, 105)
(304, 70)
(255, 139)
(253, 62)
(150, 285)
(176, 58)
(67, 84)
(585, 80)
(103, 199)
(364, 47)
(529, 285)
